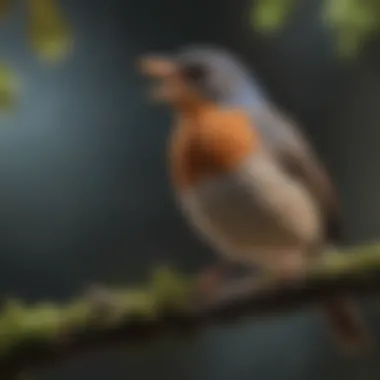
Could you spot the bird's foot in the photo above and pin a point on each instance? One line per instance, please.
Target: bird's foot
(209, 282)
(290, 267)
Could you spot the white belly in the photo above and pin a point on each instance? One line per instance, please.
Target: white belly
(254, 212)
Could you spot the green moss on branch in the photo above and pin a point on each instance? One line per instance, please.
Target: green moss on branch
(36, 335)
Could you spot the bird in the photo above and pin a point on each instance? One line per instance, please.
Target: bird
(246, 178)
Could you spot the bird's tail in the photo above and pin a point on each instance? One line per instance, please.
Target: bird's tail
(347, 326)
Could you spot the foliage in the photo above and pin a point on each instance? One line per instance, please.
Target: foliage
(49, 32)
(5, 6)
(353, 22)
(49, 36)
(271, 15)
(8, 87)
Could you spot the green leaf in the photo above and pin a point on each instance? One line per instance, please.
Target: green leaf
(271, 15)
(353, 22)
(50, 34)
(5, 6)
(349, 45)
(8, 88)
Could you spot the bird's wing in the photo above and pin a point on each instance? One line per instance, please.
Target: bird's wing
(297, 157)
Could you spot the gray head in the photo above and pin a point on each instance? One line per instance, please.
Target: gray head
(220, 75)
(208, 72)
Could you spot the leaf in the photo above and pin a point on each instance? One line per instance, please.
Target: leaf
(349, 44)
(50, 34)
(353, 22)
(349, 15)
(8, 88)
(271, 15)
(5, 6)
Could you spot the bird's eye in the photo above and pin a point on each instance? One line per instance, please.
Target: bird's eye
(194, 72)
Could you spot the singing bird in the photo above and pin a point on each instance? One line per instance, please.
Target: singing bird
(246, 178)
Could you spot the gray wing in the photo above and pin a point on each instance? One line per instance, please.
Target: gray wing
(299, 159)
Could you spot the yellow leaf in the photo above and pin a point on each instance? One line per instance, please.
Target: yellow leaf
(8, 88)
(50, 34)
(353, 24)
(5, 6)
(271, 15)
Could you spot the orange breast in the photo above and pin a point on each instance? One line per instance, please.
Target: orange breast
(208, 144)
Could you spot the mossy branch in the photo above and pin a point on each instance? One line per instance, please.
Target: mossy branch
(32, 336)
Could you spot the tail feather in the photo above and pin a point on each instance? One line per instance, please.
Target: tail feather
(347, 326)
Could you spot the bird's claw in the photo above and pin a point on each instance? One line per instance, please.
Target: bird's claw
(208, 283)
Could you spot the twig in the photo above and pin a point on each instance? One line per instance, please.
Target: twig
(34, 336)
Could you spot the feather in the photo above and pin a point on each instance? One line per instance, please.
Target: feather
(298, 158)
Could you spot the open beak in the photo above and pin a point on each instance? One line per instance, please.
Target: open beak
(157, 66)
(162, 70)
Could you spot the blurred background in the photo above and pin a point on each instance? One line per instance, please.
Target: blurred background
(84, 195)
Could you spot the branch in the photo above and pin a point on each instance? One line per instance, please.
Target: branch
(39, 335)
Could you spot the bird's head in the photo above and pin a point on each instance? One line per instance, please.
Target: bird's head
(197, 73)
(177, 82)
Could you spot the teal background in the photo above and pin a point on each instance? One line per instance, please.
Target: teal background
(84, 195)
